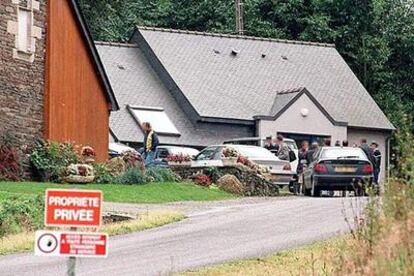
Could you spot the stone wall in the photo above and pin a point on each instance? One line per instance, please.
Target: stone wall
(22, 81)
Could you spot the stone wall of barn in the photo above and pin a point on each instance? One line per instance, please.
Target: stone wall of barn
(22, 69)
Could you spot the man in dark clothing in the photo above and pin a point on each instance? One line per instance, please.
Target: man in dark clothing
(269, 144)
(151, 142)
(368, 151)
(345, 143)
(377, 156)
(302, 156)
(327, 142)
(311, 152)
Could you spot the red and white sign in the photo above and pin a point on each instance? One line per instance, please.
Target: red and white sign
(77, 244)
(73, 208)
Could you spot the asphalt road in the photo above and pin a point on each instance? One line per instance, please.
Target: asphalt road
(207, 237)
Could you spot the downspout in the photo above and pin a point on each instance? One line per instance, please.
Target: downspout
(388, 156)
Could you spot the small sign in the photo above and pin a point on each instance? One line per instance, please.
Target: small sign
(73, 208)
(75, 244)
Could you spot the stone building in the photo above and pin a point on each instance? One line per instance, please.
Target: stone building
(52, 83)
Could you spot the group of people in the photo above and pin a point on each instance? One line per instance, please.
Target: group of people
(306, 152)
(371, 151)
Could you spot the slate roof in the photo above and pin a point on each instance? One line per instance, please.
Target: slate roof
(136, 84)
(221, 84)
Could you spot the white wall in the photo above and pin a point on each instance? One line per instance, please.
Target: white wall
(316, 123)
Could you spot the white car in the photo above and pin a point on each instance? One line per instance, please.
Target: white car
(260, 142)
(280, 170)
(116, 149)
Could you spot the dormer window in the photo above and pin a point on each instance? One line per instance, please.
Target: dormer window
(157, 117)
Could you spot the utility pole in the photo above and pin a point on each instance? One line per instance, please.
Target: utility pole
(239, 16)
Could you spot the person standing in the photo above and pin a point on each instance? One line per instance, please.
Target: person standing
(345, 143)
(302, 156)
(269, 144)
(368, 151)
(151, 142)
(311, 152)
(377, 157)
(283, 149)
(327, 142)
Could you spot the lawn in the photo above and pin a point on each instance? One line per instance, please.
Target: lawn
(147, 193)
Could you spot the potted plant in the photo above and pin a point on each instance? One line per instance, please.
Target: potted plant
(88, 154)
(179, 160)
(79, 173)
(229, 157)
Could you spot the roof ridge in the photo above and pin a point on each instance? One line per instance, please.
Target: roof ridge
(118, 44)
(289, 91)
(297, 42)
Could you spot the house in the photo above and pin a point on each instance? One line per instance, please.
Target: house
(52, 81)
(199, 89)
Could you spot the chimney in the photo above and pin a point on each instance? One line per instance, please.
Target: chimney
(239, 16)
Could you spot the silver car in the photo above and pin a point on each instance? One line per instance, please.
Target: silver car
(280, 170)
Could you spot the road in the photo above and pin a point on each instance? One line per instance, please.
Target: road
(213, 235)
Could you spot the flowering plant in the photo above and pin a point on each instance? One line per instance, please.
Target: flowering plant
(178, 158)
(132, 159)
(88, 151)
(229, 152)
(202, 180)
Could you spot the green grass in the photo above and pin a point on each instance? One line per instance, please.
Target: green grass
(148, 193)
(313, 259)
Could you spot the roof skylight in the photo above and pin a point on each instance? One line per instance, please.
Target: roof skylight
(157, 117)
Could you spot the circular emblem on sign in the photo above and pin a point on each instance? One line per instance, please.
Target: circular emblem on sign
(47, 243)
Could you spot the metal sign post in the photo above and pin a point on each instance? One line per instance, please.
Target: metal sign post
(71, 263)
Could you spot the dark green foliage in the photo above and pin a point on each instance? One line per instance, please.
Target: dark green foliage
(23, 213)
(153, 174)
(102, 174)
(50, 159)
(160, 174)
(133, 176)
(376, 37)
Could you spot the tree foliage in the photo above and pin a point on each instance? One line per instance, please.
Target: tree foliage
(376, 37)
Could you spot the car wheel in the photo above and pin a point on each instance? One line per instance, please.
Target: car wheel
(315, 191)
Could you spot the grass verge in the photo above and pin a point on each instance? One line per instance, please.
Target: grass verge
(24, 241)
(147, 193)
(306, 260)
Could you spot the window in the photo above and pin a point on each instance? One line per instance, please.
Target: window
(162, 154)
(157, 117)
(207, 154)
(24, 40)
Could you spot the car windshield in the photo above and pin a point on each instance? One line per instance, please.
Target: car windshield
(343, 153)
(255, 152)
(184, 151)
(291, 144)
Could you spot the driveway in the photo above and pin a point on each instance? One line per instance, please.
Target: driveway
(214, 234)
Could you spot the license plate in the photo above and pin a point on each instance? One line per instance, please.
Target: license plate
(345, 169)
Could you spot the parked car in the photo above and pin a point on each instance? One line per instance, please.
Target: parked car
(260, 142)
(280, 170)
(162, 152)
(116, 149)
(338, 168)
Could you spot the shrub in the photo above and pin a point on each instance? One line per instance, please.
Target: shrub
(18, 214)
(202, 180)
(103, 174)
(10, 168)
(50, 159)
(161, 174)
(132, 176)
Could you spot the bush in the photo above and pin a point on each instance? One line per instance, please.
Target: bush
(103, 174)
(132, 176)
(161, 174)
(10, 168)
(19, 214)
(50, 159)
